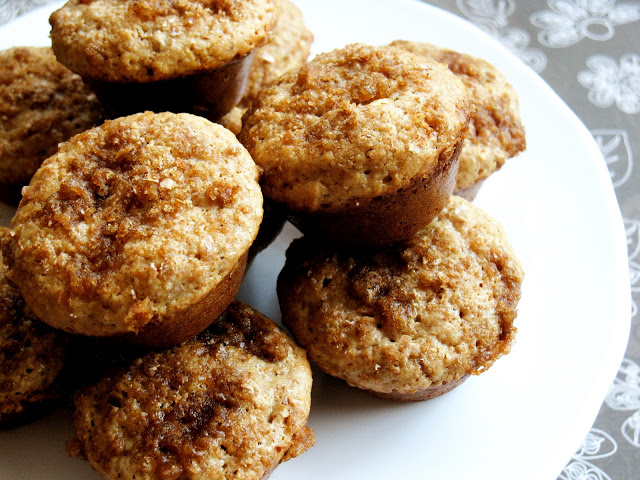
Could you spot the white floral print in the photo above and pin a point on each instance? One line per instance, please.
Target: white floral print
(569, 21)
(609, 82)
(597, 444)
(493, 17)
(616, 150)
(624, 394)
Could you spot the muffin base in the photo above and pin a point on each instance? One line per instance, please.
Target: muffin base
(209, 94)
(389, 218)
(426, 394)
(188, 323)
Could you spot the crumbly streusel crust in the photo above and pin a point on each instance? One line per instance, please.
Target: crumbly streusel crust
(495, 130)
(143, 40)
(352, 125)
(405, 319)
(134, 221)
(32, 356)
(231, 403)
(42, 104)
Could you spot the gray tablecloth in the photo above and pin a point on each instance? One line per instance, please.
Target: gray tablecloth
(589, 52)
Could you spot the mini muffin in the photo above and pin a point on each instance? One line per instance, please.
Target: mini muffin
(412, 322)
(139, 227)
(41, 104)
(288, 47)
(495, 131)
(231, 403)
(360, 145)
(183, 55)
(32, 357)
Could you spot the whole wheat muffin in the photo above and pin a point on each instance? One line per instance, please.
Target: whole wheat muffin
(174, 48)
(412, 322)
(288, 47)
(42, 104)
(140, 226)
(495, 131)
(230, 403)
(32, 357)
(361, 143)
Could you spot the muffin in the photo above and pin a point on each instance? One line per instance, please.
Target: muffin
(495, 131)
(181, 56)
(137, 228)
(406, 322)
(360, 145)
(32, 357)
(288, 47)
(230, 403)
(41, 104)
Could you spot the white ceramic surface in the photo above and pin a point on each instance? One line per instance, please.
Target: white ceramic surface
(524, 417)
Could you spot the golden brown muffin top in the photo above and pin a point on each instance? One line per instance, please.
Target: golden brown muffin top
(41, 104)
(132, 221)
(406, 318)
(231, 403)
(495, 130)
(288, 47)
(144, 40)
(32, 355)
(354, 124)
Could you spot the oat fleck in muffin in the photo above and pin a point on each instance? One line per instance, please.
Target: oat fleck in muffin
(114, 44)
(360, 144)
(412, 322)
(32, 357)
(41, 104)
(288, 47)
(495, 131)
(140, 226)
(230, 403)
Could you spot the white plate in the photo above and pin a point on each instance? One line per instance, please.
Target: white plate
(524, 417)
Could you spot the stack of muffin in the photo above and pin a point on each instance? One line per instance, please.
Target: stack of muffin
(132, 237)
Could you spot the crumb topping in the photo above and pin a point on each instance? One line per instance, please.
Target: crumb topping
(143, 41)
(354, 124)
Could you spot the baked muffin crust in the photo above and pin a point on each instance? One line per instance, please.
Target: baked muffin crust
(495, 130)
(143, 40)
(402, 320)
(42, 104)
(231, 403)
(32, 356)
(134, 221)
(354, 124)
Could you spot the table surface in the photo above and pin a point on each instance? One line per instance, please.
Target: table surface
(588, 51)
